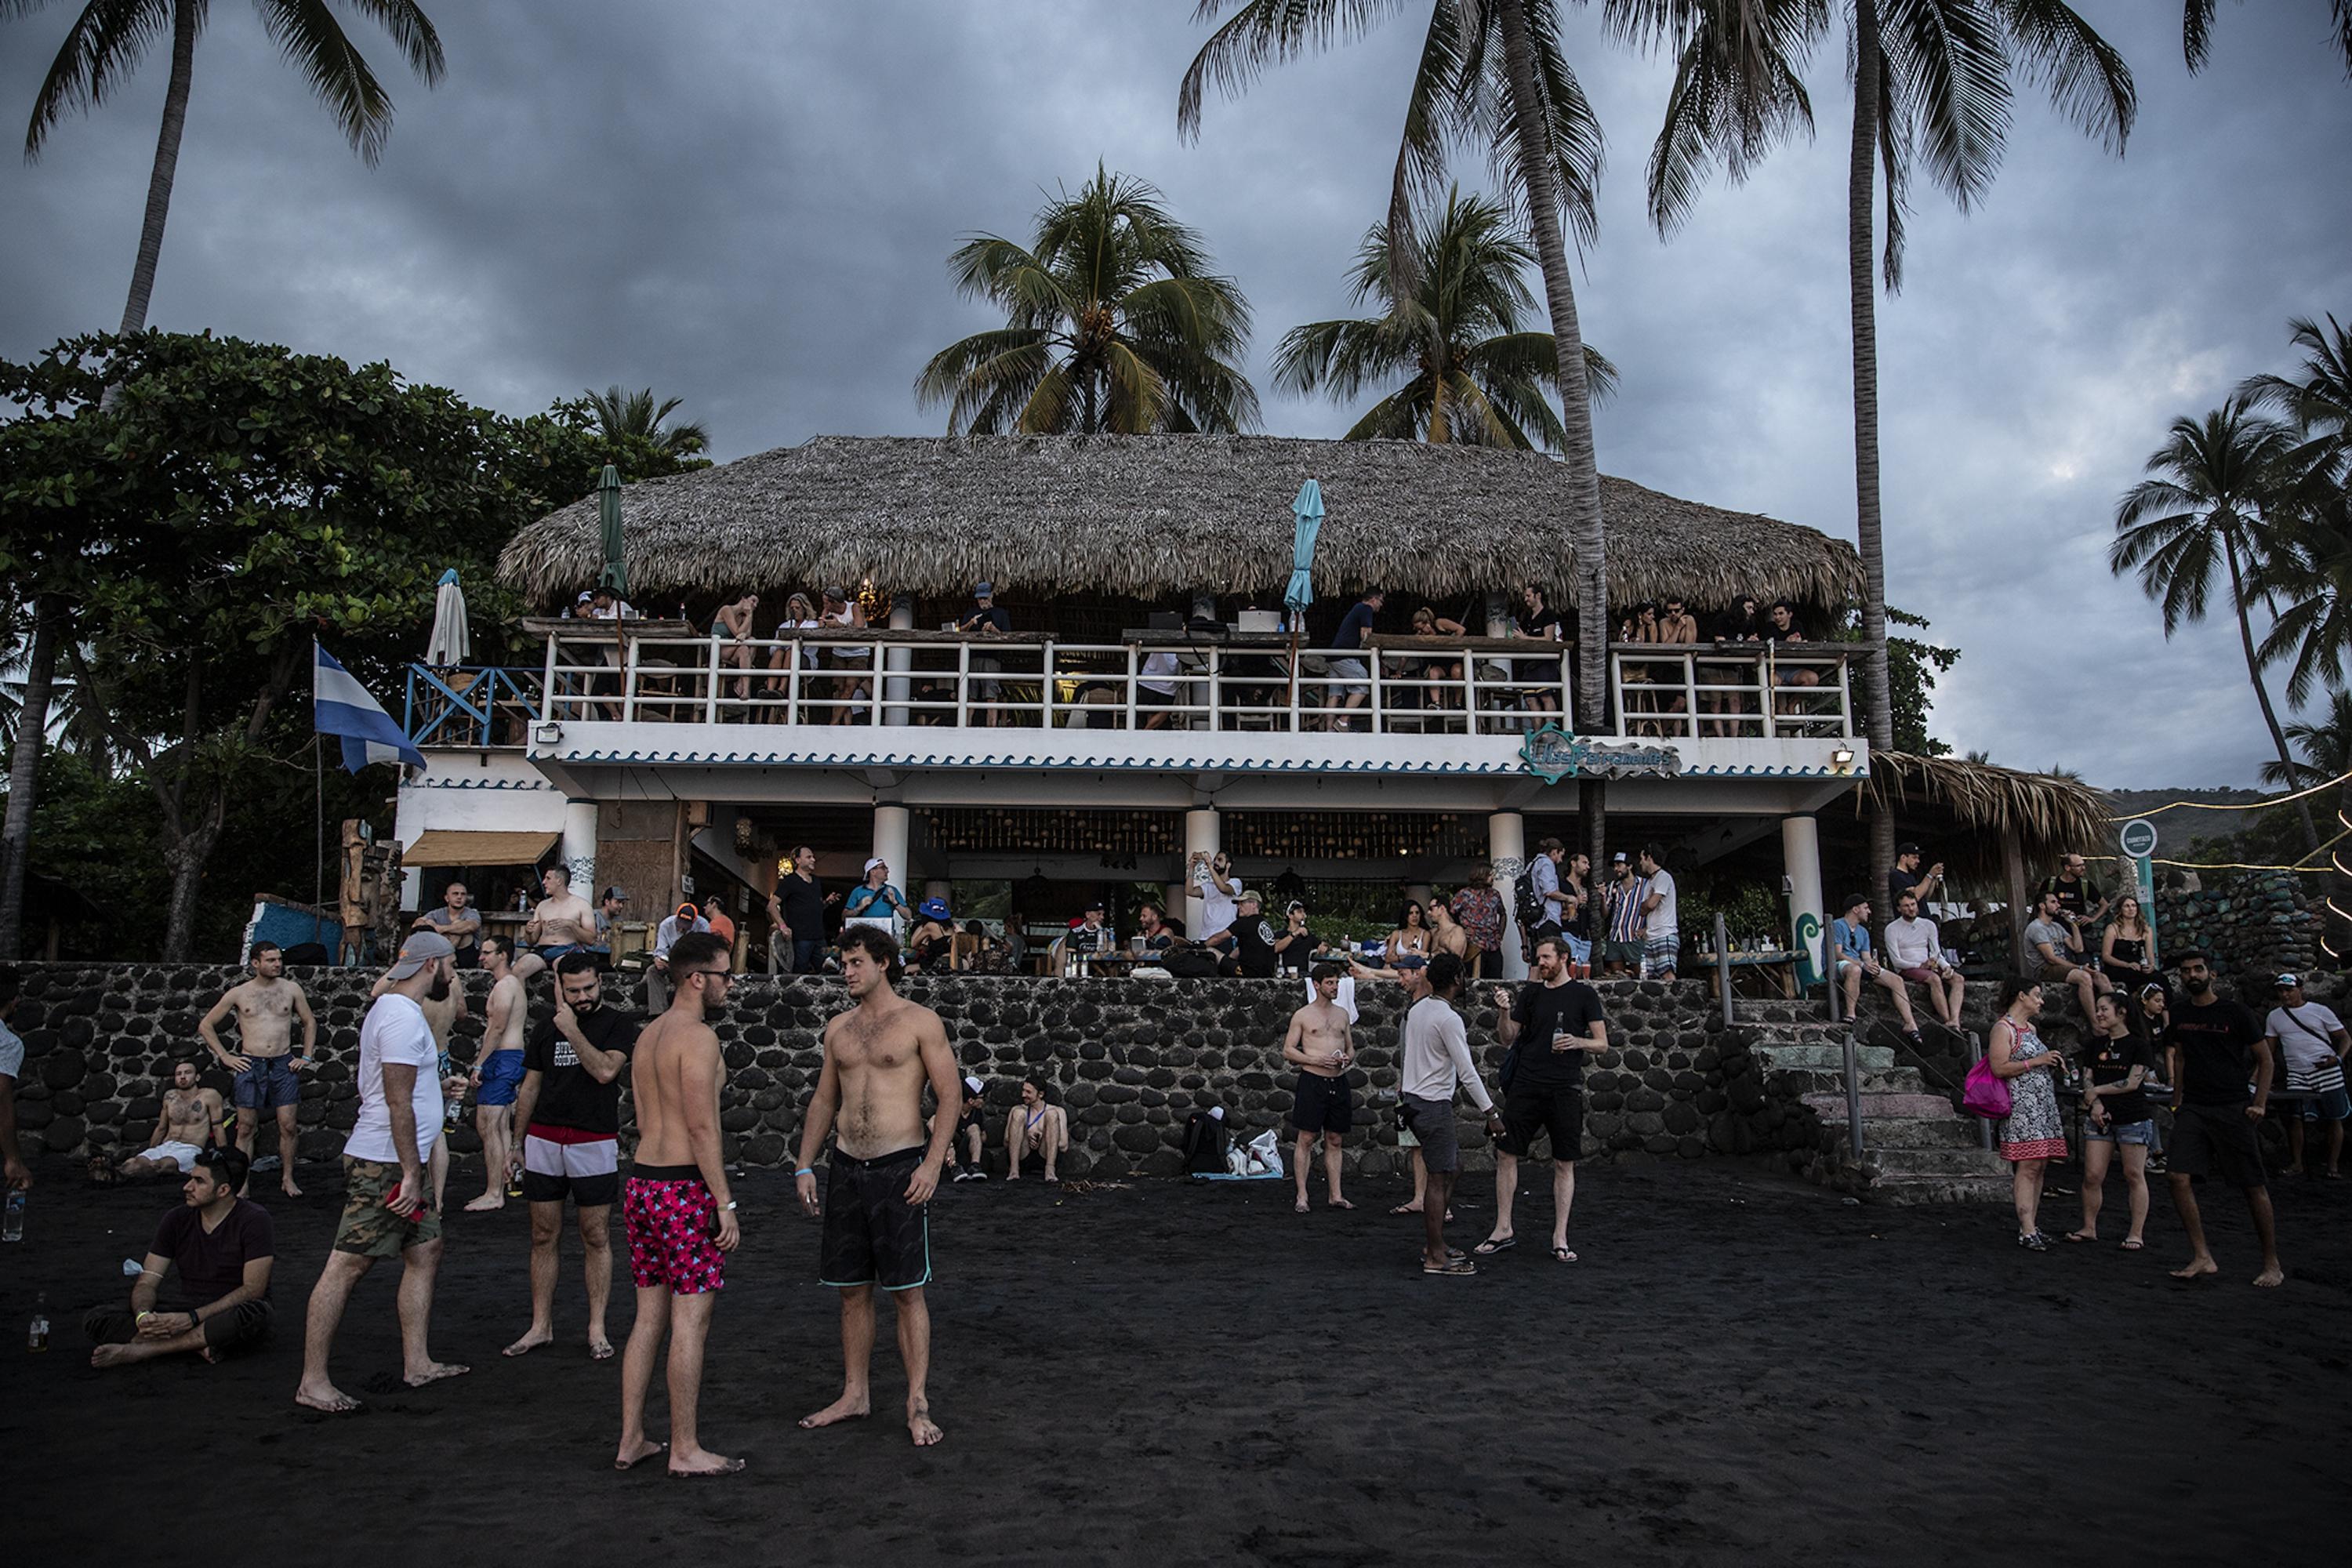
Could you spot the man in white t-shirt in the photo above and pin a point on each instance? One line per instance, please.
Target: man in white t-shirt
(2313, 1039)
(1915, 950)
(1662, 937)
(1214, 884)
(17, 1176)
(387, 1202)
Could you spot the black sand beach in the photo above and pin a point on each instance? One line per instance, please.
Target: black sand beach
(1738, 1370)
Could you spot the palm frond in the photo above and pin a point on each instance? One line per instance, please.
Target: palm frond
(104, 44)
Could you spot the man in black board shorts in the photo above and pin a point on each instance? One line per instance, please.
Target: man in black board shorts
(878, 1057)
(1557, 1022)
(2213, 1046)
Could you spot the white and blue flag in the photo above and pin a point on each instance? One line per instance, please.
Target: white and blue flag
(342, 706)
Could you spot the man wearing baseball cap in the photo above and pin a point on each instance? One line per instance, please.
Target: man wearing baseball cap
(988, 619)
(387, 1205)
(2313, 1040)
(969, 1139)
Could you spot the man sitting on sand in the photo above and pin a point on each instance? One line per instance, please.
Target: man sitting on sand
(1316, 1044)
(222, 1246)
(1034, 1127)
(971, 1137)
(189, 1123)
(877, 1057)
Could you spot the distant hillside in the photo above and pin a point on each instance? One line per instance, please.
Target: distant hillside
(2179, 829)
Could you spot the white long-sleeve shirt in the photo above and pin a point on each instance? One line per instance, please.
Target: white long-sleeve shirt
(1437, 1055)
(1914, 943)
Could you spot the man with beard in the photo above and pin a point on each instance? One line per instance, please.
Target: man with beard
(497, 1076)
(570, 1110)
(188, 1125)
(387, 1206)
(678, 1213)
(265, 1063)
(2213, 1046)
(878, 1057)
(1562, 1022)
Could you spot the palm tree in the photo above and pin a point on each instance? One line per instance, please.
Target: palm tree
(2326, 746)
(2308, 564)
(107, 39)
(2320, 404)
(1491, 72)
(1113, 323)
(2203, 510)
(2197, 32)
(624, 415)
(1473, 375)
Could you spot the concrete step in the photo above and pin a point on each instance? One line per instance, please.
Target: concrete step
(1777, 1056)
(1969, 1161)
(1811, 1080)
(1904, 1134)
(1875, 1107)
(1905, 1191)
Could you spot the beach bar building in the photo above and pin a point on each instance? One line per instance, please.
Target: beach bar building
(1153, 697)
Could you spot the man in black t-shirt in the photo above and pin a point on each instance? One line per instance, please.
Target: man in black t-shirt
(1554, 1023)
(570, 1108)
(797, 910)
(1253, 939)
(2078, 896)
(1908, 878)
(2213, 1046)
(1348, 667)
(221, 1247)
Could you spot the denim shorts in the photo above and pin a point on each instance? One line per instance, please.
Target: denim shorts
(2140, 1133)
(1579, 949)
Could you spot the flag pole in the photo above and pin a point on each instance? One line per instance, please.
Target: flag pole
(319, 804)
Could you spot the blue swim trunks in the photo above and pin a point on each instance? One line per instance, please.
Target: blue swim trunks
(268, 1084)
(502, 1076)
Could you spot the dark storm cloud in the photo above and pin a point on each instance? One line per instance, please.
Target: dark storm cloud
(750, 204)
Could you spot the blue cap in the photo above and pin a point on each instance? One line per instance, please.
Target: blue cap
(984, 591)
(932, 908)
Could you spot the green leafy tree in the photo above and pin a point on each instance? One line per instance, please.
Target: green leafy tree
(2324, 743)
(1470, 372)
(2200, 516)
(2197, 32)
(109, 37)
(235, 500)
(1494, 73)
(626, 417)
(1114, 324)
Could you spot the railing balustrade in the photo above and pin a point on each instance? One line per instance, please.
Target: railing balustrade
(1399, 685)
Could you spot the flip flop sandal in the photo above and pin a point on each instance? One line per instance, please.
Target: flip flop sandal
(1562, 1254)
(2130, 1246)
(2078, 1236)
(1404, 1208)
(1493, 1245)
(1460, 1268)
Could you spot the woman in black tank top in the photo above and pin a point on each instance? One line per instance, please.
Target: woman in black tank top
(2123, 952)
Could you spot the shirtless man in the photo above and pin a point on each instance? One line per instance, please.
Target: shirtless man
(441, 1015)
(1034, 1127)
(559, 921)
(1445, 932)
(876, 1231)
(266, 1007)
(189, 1123)
(678, 1214)
(497, 1070)
(1317, 1046)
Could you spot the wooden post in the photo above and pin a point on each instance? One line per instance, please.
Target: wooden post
(2012, 861)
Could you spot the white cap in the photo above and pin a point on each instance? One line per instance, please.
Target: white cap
(973, 1084)
(870, 864)
(1216, 1113)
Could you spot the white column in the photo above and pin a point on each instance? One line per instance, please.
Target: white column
(890, 841)
(1507, 851)
(579, 847)
(894, 686)
(940, 889)
(1201, 838)
(1800, 857)
(1499, 614)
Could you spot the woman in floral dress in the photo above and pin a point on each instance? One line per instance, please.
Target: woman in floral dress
(2034, 1134)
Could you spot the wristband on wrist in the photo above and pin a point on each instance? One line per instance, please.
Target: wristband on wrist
(804, 1171)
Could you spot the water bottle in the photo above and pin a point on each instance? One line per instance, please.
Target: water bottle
(15, 1225)
(36, 1338)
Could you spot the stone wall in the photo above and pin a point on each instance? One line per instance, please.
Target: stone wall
(2253, 925)
(1130, 1058)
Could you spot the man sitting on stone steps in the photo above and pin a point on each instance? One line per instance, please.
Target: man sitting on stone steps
(1916, 950)
(1852, 962)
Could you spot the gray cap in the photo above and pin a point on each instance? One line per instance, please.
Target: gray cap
(421, 949)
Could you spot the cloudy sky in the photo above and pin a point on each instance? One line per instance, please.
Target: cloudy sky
(750, 204)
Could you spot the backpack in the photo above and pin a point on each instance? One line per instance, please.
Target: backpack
(1204, 1143)
(1526, 909)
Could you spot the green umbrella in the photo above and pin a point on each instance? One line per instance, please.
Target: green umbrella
(615, 574)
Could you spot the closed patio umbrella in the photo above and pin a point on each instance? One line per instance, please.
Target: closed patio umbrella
(450, 642)
(1307, 512)
(615, 574)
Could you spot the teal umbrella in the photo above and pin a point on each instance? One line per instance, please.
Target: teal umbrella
(1307, 512)
(615, 574)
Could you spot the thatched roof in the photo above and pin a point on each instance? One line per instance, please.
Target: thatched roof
(1971, 809)
(1158, 516)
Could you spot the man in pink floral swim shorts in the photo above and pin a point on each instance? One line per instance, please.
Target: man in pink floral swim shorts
(679, 1216)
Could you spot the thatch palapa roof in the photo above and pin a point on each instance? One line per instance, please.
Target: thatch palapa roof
(1160, 517)
(1983, 807)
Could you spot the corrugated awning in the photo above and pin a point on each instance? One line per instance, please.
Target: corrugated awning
(450, 847)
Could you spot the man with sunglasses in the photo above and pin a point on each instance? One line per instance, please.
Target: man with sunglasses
(222, 1246)
(570, 1110)
(678, 1213)
(877, 1057)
